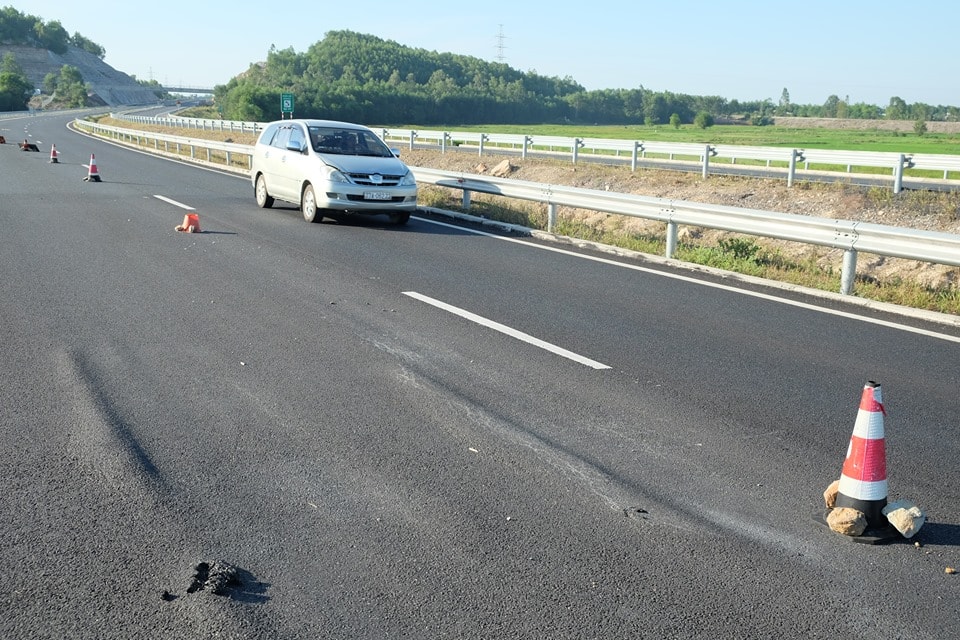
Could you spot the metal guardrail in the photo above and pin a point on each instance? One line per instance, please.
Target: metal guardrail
(850, 236)
(195, 123)
(811, 159)
(139, 139)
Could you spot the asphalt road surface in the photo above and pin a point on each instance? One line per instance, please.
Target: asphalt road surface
(355, 430)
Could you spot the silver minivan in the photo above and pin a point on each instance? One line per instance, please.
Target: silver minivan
(324, 165)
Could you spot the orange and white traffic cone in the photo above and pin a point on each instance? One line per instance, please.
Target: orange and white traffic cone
(855, 502)
(92, 174)
(54, 157)
(863, 482)
(191, 223)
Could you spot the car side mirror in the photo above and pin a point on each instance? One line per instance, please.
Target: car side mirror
(395, 152)
(299, 148)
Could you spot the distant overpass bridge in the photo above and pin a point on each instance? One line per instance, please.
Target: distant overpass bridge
(189, 90)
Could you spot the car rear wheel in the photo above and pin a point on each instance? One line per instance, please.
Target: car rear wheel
(264, 201)
(308, 205)
(400, 218)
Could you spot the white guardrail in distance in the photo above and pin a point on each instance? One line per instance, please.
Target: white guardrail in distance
(140, 139)
(823, 160)
(847, 235)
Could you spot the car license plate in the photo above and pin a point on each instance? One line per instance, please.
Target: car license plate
(376, 195)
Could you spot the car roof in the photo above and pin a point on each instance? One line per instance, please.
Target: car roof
(310, 122)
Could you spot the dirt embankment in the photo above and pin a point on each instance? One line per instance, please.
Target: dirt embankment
(858, 124)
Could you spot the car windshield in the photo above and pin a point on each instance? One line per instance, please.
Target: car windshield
(351, 142)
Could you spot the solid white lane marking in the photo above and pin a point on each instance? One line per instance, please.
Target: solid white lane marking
(519, 335)
(174, 202)
(724, 287)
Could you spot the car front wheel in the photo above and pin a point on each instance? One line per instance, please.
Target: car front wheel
(308, 205)
(400, 218)
(264, 201)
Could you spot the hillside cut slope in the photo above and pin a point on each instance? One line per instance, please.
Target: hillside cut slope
(112, 86)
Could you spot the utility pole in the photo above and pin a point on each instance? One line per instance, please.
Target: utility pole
(500, 45)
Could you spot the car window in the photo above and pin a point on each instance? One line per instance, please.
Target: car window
(269, 133)
(296, 137)
(335, 140)
(282, 137)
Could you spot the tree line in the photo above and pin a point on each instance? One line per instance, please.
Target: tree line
(362, 78)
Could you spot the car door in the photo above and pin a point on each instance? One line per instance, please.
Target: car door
(296, 160)
(278, 174)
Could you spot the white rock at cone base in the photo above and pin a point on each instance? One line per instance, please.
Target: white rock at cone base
(905, 516)
(847, 521)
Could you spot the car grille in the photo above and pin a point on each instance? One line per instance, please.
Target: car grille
(354, 198)
(363, 179)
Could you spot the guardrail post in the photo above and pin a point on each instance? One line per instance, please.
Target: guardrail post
(849, 271)
(898, 174)
(796, 154)
(671, 239)
(483, 138)
(527, 141)
(637, 150)
(551, 216)
(577, 143)
(443, 142)
(466, 199)
(413, 134)
(706, 161)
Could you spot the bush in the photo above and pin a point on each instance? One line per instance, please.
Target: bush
(703, 120)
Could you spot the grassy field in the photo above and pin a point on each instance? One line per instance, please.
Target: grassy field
(769, 136)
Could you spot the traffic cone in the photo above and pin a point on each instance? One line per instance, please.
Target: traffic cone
(54, 157)
(92, 174)
(191, 224)
(863, 482)
(862, 487)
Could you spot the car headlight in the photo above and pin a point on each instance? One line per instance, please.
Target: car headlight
(336, 176)
(409, 180)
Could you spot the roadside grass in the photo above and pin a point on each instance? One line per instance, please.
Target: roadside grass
(736, 254)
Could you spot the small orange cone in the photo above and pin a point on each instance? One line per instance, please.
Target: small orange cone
(191, 224)
(54, 157)
(92, 174)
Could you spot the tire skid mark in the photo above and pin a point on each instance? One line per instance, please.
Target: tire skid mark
(612, 492)
(101, 439)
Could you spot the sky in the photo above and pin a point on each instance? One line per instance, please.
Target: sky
(858, 50)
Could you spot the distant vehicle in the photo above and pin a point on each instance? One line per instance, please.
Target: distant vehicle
(324, 165)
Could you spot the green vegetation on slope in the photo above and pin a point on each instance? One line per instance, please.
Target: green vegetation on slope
(362, 78)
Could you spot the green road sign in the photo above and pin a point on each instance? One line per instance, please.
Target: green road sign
(286, 103)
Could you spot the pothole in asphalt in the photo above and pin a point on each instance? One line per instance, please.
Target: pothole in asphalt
(218, 577)
(223, 579)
